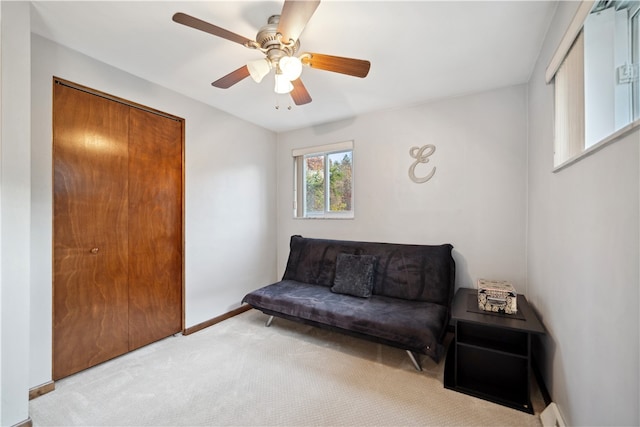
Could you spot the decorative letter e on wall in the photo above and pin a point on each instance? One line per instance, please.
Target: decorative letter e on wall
(419, 154)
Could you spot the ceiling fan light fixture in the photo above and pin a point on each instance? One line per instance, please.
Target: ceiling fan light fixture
(258, 69)
(291, 67)
(283, 84)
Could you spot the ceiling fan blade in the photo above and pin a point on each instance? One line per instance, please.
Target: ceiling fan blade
(198, 24)
(232, 78)
(299, 93)
(294, 17)
(337, 64)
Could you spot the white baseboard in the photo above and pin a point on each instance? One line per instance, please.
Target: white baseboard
(551, 417)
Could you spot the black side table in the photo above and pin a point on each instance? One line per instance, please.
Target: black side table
(490, 356)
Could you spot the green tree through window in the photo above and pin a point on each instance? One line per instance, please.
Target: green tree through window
(335, 195)
(340, 182)
(314, 168)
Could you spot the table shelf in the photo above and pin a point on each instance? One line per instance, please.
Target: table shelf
(490, 356)
(489, 337)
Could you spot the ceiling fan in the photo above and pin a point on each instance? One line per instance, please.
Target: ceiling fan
(279, 41)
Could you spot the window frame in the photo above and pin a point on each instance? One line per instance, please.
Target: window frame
(572, 33)
(299, 187)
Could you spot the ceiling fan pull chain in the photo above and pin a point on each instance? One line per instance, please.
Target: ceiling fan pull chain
(277, 106)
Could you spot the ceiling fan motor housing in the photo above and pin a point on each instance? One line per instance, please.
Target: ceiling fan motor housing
(270, 43)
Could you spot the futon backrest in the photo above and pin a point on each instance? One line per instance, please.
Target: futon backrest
(412, 272)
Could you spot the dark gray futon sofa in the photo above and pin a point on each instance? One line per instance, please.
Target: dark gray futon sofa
(398, 295)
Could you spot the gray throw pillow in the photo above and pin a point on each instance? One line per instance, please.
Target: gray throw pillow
(354, 275)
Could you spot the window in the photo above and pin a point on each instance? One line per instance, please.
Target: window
(635, 58)
(596, 73)
(323, 185)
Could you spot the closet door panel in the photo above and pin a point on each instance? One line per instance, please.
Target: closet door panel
(155, 228)
(90, 265)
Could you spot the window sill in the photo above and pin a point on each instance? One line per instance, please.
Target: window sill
(315, 218)
(616, 136)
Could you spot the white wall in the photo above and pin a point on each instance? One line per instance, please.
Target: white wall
(14, 236)
(476, 200)
(230, 184)
(14, 213)
(583, 263)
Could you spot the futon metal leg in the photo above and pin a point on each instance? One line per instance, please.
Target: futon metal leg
(415, 360)
(269, 320)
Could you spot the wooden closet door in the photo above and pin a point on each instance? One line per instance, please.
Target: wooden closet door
(90, 221)
(155, 227)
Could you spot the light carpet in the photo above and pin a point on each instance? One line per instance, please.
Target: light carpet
(241, 373)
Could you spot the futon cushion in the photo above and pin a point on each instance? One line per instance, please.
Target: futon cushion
(354, 275)
(415, 325)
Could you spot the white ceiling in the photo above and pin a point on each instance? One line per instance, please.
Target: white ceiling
(419, 50)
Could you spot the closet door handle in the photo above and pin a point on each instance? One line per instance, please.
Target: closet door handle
(94, 250)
